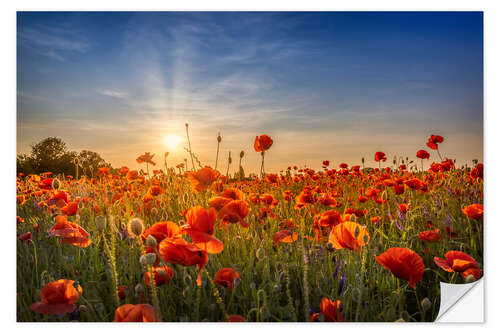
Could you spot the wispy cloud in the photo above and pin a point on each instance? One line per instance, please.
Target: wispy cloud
(52, 42)
(113, 93)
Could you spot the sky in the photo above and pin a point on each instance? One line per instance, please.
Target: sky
(334, 86)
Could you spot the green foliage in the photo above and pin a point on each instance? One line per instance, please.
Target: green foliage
(51, 154)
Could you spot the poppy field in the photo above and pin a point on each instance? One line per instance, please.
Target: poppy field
(193, 243)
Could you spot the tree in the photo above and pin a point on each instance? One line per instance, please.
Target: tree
(52, 154)
(90, 161)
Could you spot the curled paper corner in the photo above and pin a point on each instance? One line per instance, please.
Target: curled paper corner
(461, 303)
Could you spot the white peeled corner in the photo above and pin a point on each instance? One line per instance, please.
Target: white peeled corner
(461, 303)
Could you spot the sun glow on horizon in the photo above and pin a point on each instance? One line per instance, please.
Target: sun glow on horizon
(172, 141)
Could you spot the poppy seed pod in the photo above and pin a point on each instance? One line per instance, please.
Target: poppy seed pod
(135, 227)
(426, 304)
(470, 279)
(150, 258)
(242, 153)
(219, 138)
(56, 184)
(139, 289)
(100, 223)
(151, 241)
(143, 260)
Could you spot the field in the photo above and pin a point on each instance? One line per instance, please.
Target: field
(343, 243)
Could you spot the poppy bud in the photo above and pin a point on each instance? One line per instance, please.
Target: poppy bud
(230, 160)
(143, 260)
(135, 227)
(154, 211)
(219, 138)
(82, 308)
(329, 246)
(276, 288)
(99, 307)
(242, 153)
(150, 258)
(151, 241)
(356, 295)
(260, 254)
(100, 223)
(139, 289)
(405, 316)
(470, 278)
(56, 184)
(426, 304)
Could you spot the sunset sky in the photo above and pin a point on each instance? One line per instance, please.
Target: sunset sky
(325, 86)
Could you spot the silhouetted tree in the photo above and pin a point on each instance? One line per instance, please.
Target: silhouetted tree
(90, 161)
(52, 154)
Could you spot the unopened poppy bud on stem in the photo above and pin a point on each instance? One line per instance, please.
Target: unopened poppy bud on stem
(100, 223)
(150, 258)
(470, 279)
(135, 227)
(426, 304)
(151, 241)
(139, 289)
(219, 138)
(242, 153)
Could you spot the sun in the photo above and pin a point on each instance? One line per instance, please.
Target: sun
(172, 141)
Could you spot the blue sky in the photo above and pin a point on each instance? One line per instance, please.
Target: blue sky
(336, 86)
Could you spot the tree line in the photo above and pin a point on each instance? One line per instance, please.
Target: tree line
(52, 154)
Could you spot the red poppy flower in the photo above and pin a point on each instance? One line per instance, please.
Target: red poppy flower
(135, 313)
(330, 310)
(162, 230)
(430, 236)
(225, 277)
(403, 208)
(146, 158)
(180, 252)
(161, 275)
(478, 171)
(474, 211)
(235, 211)
(202, 179)
(434, 140)
(349, 235)
(70, 233)
(200, 227)
(414, 183)
(26, 237)
(460, 262)
(235, 318)
(122, 291)
(262, 143)
(304, 198)
(70, 209)
(218, 202)
(404, 264)
(423, 154)
(380, 156)
(58, 297)
(284, 236)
